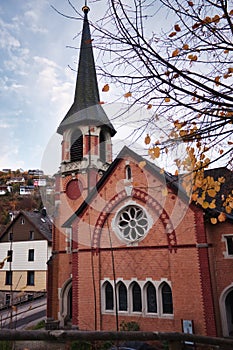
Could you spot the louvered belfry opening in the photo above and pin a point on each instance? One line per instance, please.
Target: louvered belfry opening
(102, 141)
(76, 149)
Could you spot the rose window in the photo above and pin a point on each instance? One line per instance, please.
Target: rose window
(132, 223)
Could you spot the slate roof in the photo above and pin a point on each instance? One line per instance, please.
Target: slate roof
(39, 220)
(86, 108)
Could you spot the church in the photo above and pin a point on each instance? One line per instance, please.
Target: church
(129, 250)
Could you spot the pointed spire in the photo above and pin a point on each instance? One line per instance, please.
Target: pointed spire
(86, 107)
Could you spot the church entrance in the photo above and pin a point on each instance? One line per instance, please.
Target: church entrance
(66, 305)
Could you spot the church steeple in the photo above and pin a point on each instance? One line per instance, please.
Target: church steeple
(86, 107)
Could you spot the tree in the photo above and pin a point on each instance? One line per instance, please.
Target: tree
(180, 72)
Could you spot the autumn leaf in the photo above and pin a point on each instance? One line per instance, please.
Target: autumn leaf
(172, 34)
(154, 152)
(192, 57)
(128, 94)
(101, 102)
(222, 217)
(185, 47)
(105, 88)
(142, 164)
(149, 106)
(147, 139)
(213, 221)
(190, 3)
(175, 52)
(167, 99)
(216, 79)
(177, 28)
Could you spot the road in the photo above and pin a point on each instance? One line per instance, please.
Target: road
(25, 316)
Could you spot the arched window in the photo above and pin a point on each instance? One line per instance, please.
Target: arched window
(167, 299)
(128, 172)
(122, 297)
(102, 146)
(151, 298)
(108, 296)
(137, 297)
(76, 148)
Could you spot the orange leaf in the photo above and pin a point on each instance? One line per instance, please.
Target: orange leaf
(177, 28)
(192, 57)
(222, 217)
(213, 221)
(147, 139)
(128, 94)
(105, 88)
(175, 52)
(167, 99)
(216, 79)
(185, 47)
(149, 106)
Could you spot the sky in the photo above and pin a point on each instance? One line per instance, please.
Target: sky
(36, 83)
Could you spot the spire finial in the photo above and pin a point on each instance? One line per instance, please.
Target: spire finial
(85, 8)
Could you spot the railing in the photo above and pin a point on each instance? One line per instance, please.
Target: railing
(174, 341)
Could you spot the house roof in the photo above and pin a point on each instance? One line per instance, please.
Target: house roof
(39, 220)
(86, 107)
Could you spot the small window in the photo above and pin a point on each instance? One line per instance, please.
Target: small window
(9, 255)
(167, 299)
(137, 298)
(31, 235)
(8, 278)
(31, 255)
(229, 240)
(128, 172)
(22, 221)
(108, 296)
(31, 278)
(122, 297)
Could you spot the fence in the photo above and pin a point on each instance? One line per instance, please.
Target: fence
(174, 340)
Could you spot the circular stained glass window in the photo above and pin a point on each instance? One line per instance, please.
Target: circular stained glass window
(132, 223)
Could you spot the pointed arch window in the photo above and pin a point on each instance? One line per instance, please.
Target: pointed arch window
(108, 296)
(167, 299)
(128, 172)
(137, 297)
(122, 297)
(76, 148)
(102, 146)
(151, 298)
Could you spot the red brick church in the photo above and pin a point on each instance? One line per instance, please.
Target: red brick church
(123, 250)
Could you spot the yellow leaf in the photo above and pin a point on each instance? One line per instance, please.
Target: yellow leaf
(213, 221)
(128, 94)
(205, 205)
(228, 209)
(154, 152)
(105, 88)
(175, 52)
(142, 164)
(212, 193)
(222, 217)
(147, 139)
(212, 205)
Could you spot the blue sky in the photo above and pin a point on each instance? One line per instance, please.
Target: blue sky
(36, 84)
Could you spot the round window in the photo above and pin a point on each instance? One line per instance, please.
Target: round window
(132, 223)
(74, 189)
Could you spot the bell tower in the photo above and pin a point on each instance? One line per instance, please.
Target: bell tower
(86, 154)
(86, 129)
